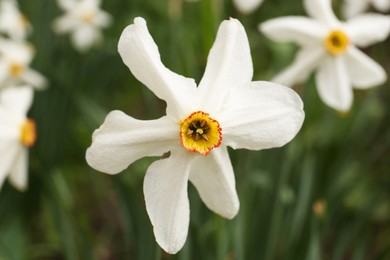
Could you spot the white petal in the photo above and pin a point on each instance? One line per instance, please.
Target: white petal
(363, 71)
(354, 7)
(8, 151)
(302, 30)
(17, 99)
(247, 6)
(261, 115)
(306, 60)
(382, 5)
(229, 64)
(366, 29)
(19, 170)
(85, 36)
(165, 190)
(333, 84)
(65, 24)
(102, 19)
(141, 55)
(34, 78)
(322, 11)
(213, 177)
(121, 140)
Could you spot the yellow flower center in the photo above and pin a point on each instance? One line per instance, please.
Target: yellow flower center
(200, 133)
(336, 42)
(28, 133)
(88, 17)
(16, 69)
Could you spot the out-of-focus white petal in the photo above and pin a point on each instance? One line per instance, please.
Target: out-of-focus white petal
(121, 140)
(213, 177)
(247, 6)
(65, 24)
(84, 37)
(16, 52)
(67, 5)
(8, 150)
(229, 64)
(19, 170)
(34, 78)
(333, 84)
(17, 99)
(302, 30)
(354, 7)
(322, 11)
(366, 29)
(102, 19)
(261, 115)
(363, 71)
(165, 190)
(382, 5)
(306, 60)
(141, 55)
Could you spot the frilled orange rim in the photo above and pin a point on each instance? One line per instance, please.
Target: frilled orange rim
(200, 133)
(28, 133)
(336, 42)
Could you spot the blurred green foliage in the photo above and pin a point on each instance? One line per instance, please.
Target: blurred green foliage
(323, 196)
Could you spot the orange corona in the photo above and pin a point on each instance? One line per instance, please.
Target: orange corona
(200, 133)
(336, 42)
(28, 134)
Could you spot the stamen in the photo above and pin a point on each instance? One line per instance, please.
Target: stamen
(200, 133)
(16, 69)
(28, 134)
(336, 42)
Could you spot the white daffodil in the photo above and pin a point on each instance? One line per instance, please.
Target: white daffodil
(226, 109)
(247, 6)
(12, 21)
(244, 6)
(83, 20)
(354, 7)
(17, 134)
(330, 46)
(15, 59)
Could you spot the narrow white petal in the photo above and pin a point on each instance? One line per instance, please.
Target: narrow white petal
(121, 140)
(247, 6)
(8, 151)
(141, 55)
(302, 30)
(229, 64)
(261, 115)
(165, 190)
(85, 37)
(354, 7)
(65, 23)
(213, 177)
(34, 78)
(102, 19)
(363, 71)
(306, 60)
(322, 11)
(18, 172)
(17, 99)
(366, 29)
(333, 84)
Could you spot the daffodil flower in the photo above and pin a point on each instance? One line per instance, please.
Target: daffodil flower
(15, 59)
(330, 46)
(247, 6)
(226, 109)
(17, 134)
(12, 21)
(354, 7)
(83, 20)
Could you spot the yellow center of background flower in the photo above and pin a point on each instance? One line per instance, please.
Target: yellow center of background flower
(336, 42)
(16, 69)
(28, 133)
(88, 17)
(200, 133)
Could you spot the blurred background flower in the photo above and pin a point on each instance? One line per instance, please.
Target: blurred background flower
(325, 195)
